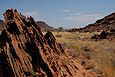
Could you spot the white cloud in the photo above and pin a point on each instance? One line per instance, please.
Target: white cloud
(34, 14)
(30, 13)
(83, 19)
(66, 10)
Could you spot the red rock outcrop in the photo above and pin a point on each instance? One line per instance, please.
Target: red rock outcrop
(26, 52)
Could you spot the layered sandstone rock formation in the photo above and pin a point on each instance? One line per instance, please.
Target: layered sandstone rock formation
(26, 52)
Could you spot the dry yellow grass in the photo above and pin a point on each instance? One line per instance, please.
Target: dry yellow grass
(102, 52)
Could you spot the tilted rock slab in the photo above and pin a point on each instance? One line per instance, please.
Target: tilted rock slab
(26, 52)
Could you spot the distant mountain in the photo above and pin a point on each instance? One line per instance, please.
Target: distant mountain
(44, 26)
(106, 23)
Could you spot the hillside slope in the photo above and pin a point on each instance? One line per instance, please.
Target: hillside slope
(106, 23)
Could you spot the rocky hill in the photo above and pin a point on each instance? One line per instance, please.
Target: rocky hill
(44, 26)
(26, 52)
(106, 23)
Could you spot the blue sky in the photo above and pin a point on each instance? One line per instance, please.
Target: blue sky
(65, 13)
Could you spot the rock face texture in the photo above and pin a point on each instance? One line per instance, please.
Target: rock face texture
(26, 52)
